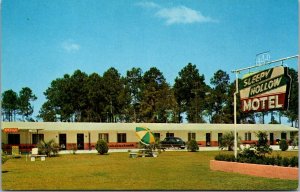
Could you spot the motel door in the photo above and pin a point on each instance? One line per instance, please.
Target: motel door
(63, 141)
(271, 138)
(80, 141)
(207, 139)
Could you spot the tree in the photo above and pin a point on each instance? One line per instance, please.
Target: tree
(292, 111)
(262, 147)
(189, 90)
(113, 88)
(94, 111)
(25, 107)
(134, 83)
(9, 105)
(219, 93)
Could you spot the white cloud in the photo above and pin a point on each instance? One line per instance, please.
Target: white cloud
(148, 4)
(70, 46)
(182, 15)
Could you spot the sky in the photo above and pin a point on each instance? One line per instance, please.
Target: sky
(42, 40)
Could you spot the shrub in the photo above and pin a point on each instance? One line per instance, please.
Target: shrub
(192, 146)
(227, 140)
(295, 142)
(278, 160)
(222, 157)
(4, 157)
(101, 147)
(262, 147)
(283, 145)
(285, 161)
(49, 148)
(294, 161)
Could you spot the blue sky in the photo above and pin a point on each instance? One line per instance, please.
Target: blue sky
(42, 40)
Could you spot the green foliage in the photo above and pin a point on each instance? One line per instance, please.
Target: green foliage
(101, 147)
(49, 148)
(25, 97)
(227, 141)
(294, 161)
(262, 147)
(285, 162)
(192, 146)
(225, 157)
(283, 145)
(248, 157)
(4, 157)
(190, 89)
(9, 103)
(295, 141)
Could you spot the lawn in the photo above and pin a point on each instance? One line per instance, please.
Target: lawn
(116, 171)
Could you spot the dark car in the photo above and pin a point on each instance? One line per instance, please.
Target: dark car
(173, 142)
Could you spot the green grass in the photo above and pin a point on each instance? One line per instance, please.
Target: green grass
(116, 171)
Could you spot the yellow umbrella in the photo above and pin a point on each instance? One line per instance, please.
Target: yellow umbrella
(145, 135)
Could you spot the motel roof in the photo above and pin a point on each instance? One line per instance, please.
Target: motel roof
(84, 126)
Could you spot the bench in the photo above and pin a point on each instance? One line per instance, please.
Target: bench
(34, 154)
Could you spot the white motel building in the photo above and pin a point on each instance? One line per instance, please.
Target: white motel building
(122, 135)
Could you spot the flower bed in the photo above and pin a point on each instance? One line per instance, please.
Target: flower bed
(268, 171)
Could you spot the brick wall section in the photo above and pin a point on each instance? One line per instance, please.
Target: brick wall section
(268, 171)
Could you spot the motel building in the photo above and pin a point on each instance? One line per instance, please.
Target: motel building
(84, 136)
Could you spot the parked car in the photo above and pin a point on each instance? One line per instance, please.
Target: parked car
(173, 142)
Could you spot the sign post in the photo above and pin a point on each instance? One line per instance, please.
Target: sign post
(262, 91)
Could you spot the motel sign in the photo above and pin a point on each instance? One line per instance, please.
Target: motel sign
(265, 90)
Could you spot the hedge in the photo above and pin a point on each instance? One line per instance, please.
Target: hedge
(277, 160)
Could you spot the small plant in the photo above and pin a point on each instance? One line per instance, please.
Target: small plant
(283, 145)
(192, 146)
(101, 147)
(227, 140)
(49, 148)
(295, 142)
(4, 157)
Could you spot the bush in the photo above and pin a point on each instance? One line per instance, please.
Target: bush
(4, 157)
(101, 147)
(278, 160)
(49, 148)
(262, 147)
(192, 146)
(285, 162)
(222, 157)
(283, 145)
(294, 161)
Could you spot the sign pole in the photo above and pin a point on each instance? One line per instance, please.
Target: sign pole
(235, 118)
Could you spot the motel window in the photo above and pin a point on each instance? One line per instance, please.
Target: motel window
(248, 136)
(14, 139)
(36, 138)
(104, 136)
(191, 136)
(170, 135)
(157, 136)
(121, 137)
